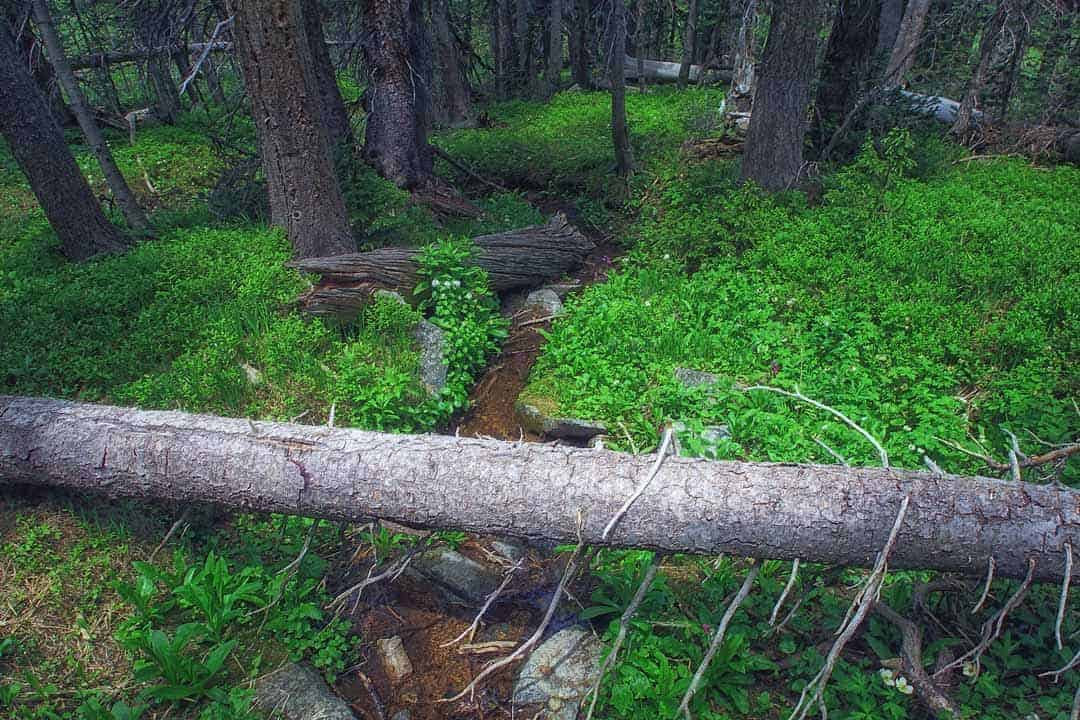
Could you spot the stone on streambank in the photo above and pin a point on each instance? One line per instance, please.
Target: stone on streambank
(560, 673)
(297, 692)
(431, 342)
(463, 579)
(539, 416)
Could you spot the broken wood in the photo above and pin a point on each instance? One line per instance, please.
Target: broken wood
(820, 513)
(663, 71)
(514, 259)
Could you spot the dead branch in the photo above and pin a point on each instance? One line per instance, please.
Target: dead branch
(911, 653)
(787, 590)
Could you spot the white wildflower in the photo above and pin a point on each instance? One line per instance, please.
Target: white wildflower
(435, 282)
(970, 670)
(888, 677)
(903, 686)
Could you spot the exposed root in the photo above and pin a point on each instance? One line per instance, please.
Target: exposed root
(911, 653)
(172, 531)
(992, 628)
(718, 638)
(624, 624)
(392, 572)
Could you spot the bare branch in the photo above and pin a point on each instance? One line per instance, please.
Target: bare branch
(986, 586)
(1063, 601)
(661, 454)
(471, 630)
(787, 590)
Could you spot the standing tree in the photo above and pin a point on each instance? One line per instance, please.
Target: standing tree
(398, 56)
(115, 180)
(278, 67)
(624, 154)
(454, 108)
(689, 44)
(553, 67)
(847, 66)
(774, 143)
(335, 120)
(990, 33)
(740, 97)
(30, 129)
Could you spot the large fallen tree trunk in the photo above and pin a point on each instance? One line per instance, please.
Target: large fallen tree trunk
(820, 513)
(513, 259)
(116, 57)
(662, 71)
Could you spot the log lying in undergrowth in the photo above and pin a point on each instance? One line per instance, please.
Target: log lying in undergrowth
(820, 513)
(513, 259)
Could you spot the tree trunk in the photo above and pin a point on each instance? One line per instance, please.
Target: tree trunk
(166, 98)
(455, 96)
(890, 14)
(513, 260)
(740, 97)
(774, 143)
(848, 64)
(553, 68)
(1012, 49)
(113, 178)
(639, 45)
(397, 53)
(335, 120)
(689, 43)
(522, 10)
(305, 197)
(36, 141)
(819, 513)
(41, 71)
(990, 34)
(624, 154)
(659, 71)
(904, 50)
(501, 47)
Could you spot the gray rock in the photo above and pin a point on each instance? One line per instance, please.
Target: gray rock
(394, 658)
(534, 420)
(433, 367)
(509, 549)
(296, 692)
(253, 375)
(708, 438)
(464, 578)
(560, 673)
(695, 378)
(391, 295)
(545, 300)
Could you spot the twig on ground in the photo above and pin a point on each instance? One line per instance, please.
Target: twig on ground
(718, 638)
(797, 395)
(537, 321)
(376, 701)
(1063, 601)
(392, 572)
(465, 168)
(661, 454)
(813, 693)
(172, 531)
(624, 624)
(911, 654)
(471, 630)
(1056, 674)
(787, 590)
(992, 628)
(986, 586)
(495, 666)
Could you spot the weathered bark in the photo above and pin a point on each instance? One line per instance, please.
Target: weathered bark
(1011, 49)
(553, 67)
(113, 178)
(990, 34)
(689, 44)
(890, 14)
(36, 141)
(580, 53)
(40, 70)
(514, 259)
(166, 97)
(500, 31)
(117, 57)
(658, 70)
(620, 134)
(523, 36)
(774, 143)
(397, 53)
(847, 66)
(335, 120)
(639, 45)
(904, 50)
(819, 513)
(455, 97)
(305, 196)
(740, 97)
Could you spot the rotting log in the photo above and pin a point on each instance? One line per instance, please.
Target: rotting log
(514, 259)
(663, 71)
(819, 513)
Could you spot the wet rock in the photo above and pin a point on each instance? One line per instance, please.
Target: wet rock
(695, 378)
(512, 551)
(394, 658)
(560, 673)
(433, 367)
(296, 692)
(545, 300)
(533, 419)
(465, 579)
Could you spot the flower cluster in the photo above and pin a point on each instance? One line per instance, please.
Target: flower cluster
(893, 680)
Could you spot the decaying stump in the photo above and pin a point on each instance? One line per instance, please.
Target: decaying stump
(514, 259)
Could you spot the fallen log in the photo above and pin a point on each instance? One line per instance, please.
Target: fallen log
(820, 513)
(514, 259)
(662, 71)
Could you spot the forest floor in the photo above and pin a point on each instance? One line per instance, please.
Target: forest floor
(935, 302)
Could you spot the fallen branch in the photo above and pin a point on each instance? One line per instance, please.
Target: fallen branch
(911, 654)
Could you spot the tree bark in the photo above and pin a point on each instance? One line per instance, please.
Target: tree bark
(689, 44)
(513, 260)
(305, 196)
(553, 67)
(397, 53)
(908, 37)
(740, 97)
(890, 15)
(36, 141)
(455, 96)
(166, 98)
(335, 120)
(774, 143)
(582, 59)
(113, 178)
(658, 71)
(620, 134)
(848, 64)
(639, 46)
(819, 513)
(990, 34)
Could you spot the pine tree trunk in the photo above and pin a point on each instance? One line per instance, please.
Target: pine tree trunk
(740, 97)
(36, 141)
(335, 120)
(689, 43)
(455, 96)
(166, 97)
(819, 513)
(522, 11)
(908, 38)
(773, 157)
(639, 45)
(134, 215)
(848, 64)
(277, 63)
(891, 13)
(398, 56)
(624, 154)
(553, 68)
(990, 34)
(582, 62)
